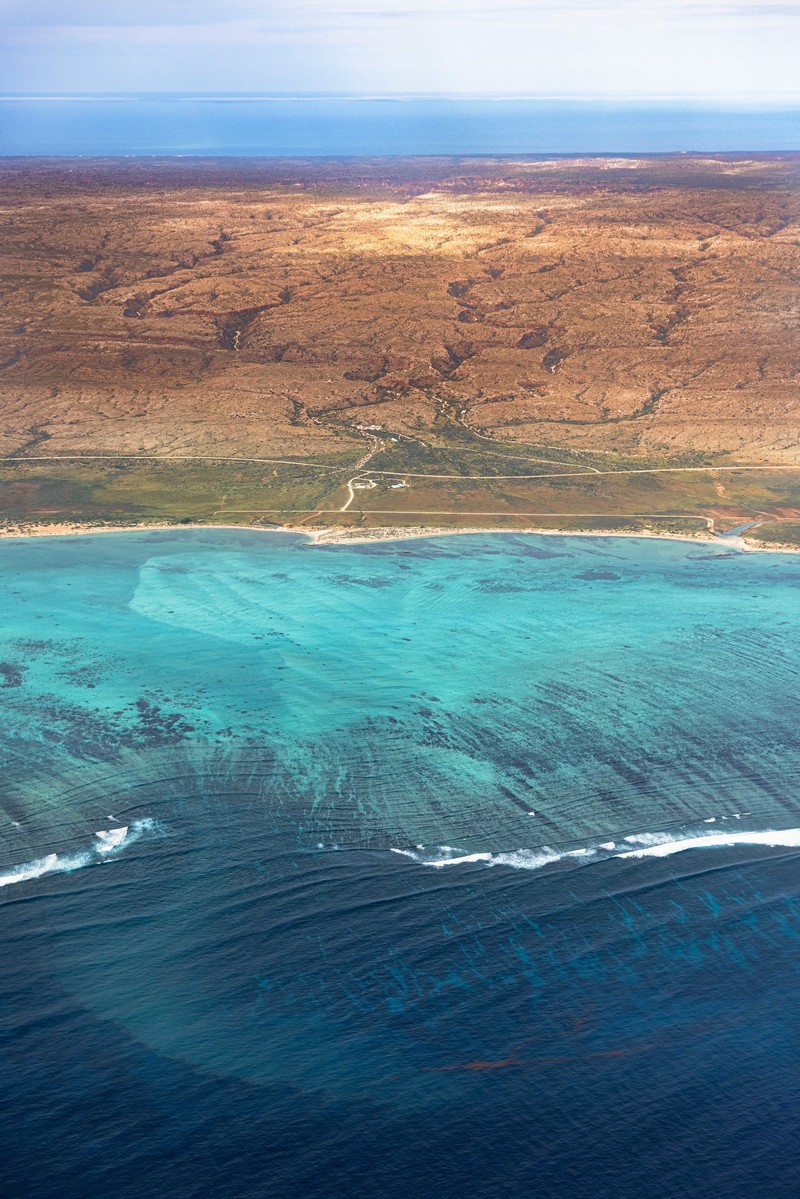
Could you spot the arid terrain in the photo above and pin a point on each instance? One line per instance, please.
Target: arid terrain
(411, 335)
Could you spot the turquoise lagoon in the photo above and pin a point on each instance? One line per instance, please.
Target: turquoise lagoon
(398, 868)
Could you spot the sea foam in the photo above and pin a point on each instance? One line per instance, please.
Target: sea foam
(107, 842)
(642, 845)
(520, 859)
(652, 847)
(111, 839)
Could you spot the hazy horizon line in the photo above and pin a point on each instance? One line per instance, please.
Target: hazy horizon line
(714, 100)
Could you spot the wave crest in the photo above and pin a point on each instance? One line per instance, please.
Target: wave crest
(639, 845)
(107, 842)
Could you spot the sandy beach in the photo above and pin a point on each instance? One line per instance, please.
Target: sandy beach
(343, 536)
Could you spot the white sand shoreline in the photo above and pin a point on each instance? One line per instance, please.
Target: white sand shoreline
(346, 536)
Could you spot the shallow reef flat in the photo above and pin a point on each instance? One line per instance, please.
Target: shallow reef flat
(496, 690)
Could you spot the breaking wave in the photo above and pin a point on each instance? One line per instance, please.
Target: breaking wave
(649, 846)
(639, 845)
(107, 843)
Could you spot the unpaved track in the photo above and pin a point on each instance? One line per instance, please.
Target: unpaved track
(591, 472)
(708, 521)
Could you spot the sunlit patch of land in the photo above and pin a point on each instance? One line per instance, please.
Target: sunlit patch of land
(593, 343)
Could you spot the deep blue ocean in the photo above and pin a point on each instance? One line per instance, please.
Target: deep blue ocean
(297, 126)
(446, 867)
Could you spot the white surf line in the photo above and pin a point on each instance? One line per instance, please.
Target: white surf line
(107, 844)
(653, 848)
(643, 845)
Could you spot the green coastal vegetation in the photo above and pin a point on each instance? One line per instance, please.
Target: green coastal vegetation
(387, 481)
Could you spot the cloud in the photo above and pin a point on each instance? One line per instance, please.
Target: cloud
(124, 13)
(306, 16)
(569, 46)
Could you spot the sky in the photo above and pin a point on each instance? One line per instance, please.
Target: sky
(727, 50)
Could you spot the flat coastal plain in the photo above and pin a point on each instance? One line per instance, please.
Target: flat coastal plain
(597, 343)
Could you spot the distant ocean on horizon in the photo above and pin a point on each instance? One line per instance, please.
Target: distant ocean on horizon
(228, 125)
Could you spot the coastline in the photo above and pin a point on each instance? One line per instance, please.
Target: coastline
(346, 536)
